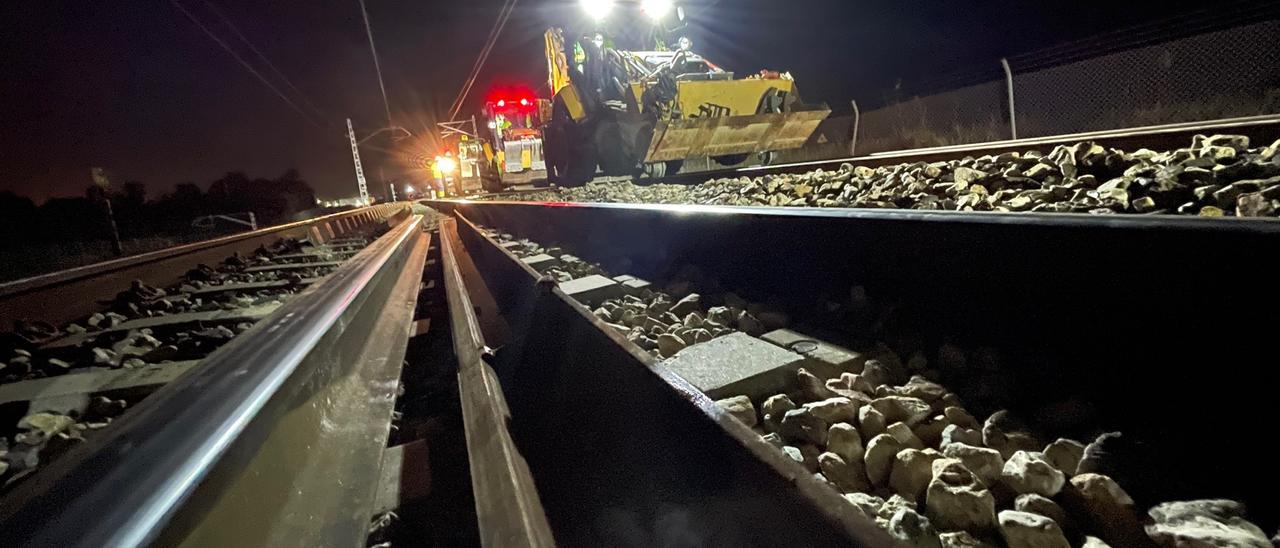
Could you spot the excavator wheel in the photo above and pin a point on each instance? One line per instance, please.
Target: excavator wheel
(729, 160)
(489, 184)
(656, 171)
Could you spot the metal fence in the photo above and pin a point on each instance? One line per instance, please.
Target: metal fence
(1220, 74)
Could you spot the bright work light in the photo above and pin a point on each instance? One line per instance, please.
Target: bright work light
(597, 9)
(656, 9)
(446, 164)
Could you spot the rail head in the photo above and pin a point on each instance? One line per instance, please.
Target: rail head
(1173, 223)
(124, 487)
(508, 507)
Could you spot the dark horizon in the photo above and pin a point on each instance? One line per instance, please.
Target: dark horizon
(142, 91)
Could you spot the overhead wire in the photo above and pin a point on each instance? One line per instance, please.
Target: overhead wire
(494, 33)
(244, 63)
(483, 55)
(487, 40)
(227, 21)
(377, 66)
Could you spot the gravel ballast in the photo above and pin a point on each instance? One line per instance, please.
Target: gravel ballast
(1216, 176)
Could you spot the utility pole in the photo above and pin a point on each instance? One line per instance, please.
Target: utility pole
(103, 180)
(355, 154)
(116, 248)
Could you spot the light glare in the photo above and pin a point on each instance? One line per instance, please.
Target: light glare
(597, 9)
(446, 164)
(656, 9)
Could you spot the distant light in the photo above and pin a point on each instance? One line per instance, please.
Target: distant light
(597, 9)
(446, 164)
(408, 189)
(524, 102)
(656, 9)
(502, 103)
(493, 125)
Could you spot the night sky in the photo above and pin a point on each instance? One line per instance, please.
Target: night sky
(136, 87)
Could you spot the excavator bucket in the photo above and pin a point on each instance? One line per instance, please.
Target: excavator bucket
(723, 135)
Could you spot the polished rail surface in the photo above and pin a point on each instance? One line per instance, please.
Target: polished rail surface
(266, 441)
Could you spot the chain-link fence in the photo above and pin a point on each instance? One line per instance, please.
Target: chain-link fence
(967, 115)
(1221, 74)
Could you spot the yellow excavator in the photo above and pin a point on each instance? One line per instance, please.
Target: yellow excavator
(630, 113)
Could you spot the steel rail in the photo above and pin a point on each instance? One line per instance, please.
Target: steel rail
(1160, 136)
(77, 290)
(508, 509)
(266, 442)
(1106, 317)
(618, 445)
(1259, 128)
(1217, 225)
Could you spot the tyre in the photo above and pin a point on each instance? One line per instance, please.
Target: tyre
(656, 171)
(729, 160)
(489, 184)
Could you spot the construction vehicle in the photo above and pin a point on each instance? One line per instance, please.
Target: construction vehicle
(467, 162)
(643, 113)
(514, 119)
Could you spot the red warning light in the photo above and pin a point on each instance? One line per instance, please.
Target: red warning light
(524, 102)
(502, 103)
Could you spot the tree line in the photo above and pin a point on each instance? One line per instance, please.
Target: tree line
(83, 218)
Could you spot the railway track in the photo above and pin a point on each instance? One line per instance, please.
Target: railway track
(65, 384)
(1077, 325)
(535, 374)
(75, 379)
(1100, 172)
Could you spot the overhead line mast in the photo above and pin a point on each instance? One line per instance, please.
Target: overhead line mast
(355, 155)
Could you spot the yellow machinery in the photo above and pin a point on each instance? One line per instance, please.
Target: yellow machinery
(644, 112)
